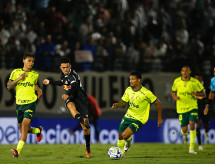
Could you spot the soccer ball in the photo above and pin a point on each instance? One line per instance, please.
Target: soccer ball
(115, 152)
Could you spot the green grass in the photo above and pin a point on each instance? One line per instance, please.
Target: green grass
(152, 153)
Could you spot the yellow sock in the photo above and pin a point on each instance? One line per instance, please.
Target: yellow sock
(192, 138)
(20, 146)
(129, 139)
(184, 134)
(121, 144)
(35, 130)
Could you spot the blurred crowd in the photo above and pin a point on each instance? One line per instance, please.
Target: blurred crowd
(118, 35)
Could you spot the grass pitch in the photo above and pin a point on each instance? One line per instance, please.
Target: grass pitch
(152, 153)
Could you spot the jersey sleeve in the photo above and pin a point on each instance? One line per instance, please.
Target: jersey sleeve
(213, 84)
(36, 80)
(151, 96)
(199, 86)
(13, 75)
(174, 88)
(125, 96)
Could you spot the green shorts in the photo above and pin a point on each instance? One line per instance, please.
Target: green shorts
(133, 124)
(25, 111)
(184, 118)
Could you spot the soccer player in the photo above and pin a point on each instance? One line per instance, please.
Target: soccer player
(25, 81)
(139, 99)
(75, 98)
(187, 88)
(203, 115)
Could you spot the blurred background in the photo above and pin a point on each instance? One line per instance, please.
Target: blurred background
(105, 40)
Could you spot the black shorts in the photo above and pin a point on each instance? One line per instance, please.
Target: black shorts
(81, 106)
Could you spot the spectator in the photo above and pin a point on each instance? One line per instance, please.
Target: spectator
(4, 35)
(46, 53)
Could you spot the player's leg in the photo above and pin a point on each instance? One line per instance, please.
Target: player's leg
(87, 140)
(184, 121)
(72, 108)
(206, 127)
(198, 133)
(193, 119)
(24, 131)
(121, 142)
(127, 136)
(82, 107)
(192, 136)
(29, 113)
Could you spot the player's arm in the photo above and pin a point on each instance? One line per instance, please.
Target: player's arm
(11, 84)
(199, 94)
(119, 104)
(209, 102)
(38, 90)
(174, 96)
(47, 82)
(159, 110)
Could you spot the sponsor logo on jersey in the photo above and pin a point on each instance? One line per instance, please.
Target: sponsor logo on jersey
(67, 87)
(25, 84)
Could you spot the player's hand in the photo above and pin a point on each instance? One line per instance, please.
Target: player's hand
(193, 93)
(160, 122)
(65, 97)
(176, 98)
(46, 82)
(114, 105)
(23, 76)
(205, 110)
(39, 93)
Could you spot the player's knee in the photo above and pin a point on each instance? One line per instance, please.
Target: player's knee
(125, 136)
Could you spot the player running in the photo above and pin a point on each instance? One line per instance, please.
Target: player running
(187, 88)
(25, 80)
(139, 99)
(75, 98)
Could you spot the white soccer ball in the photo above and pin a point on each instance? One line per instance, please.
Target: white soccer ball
(115, 152)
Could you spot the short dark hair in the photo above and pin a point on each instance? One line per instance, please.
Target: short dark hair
(64, 60)
(137, 74)
(28, 54)
(186, 66)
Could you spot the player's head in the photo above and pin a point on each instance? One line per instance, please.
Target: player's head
(28, 60)
(65, 65)
(135, 78)
(185, 71)
(199, 77)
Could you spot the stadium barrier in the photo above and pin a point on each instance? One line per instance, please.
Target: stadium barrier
(56, 131)
(107, 87)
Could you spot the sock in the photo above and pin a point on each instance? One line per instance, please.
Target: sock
(20, 146)
(198, 133)
(87, 139)
(129, 139)
(192, 138)
(184, 134)
(79, 118)
(121, 144)
(35, 130)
